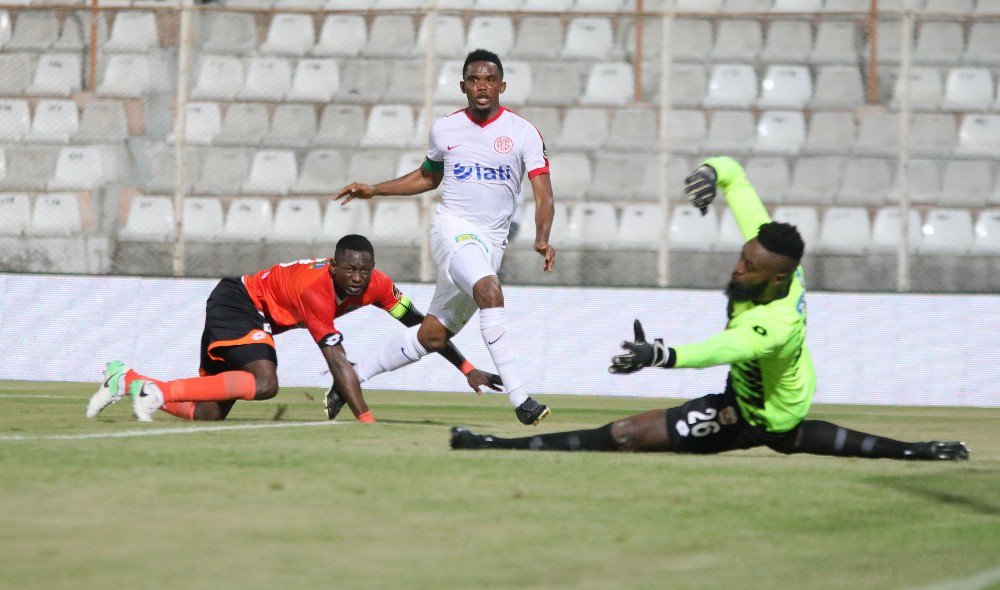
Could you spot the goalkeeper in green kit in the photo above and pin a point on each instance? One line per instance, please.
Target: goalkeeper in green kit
(771, 377)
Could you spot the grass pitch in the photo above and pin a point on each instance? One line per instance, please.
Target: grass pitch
(390, 506)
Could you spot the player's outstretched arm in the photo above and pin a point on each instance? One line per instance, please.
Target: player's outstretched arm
(478, 380)
(346, 383)
(416, 182)
(541, 184)
(641, 354)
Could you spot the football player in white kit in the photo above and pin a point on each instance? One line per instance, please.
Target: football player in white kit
(479, 156)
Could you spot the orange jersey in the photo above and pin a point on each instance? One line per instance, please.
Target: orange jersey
(301, 295)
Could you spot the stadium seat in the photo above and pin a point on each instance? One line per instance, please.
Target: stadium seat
(584, 129)
(232, 33)
(15, 73)
(15, 214)
(815, 180)
(805, 219)
(946, 231)
(363, 81)
(699, 5)
(785, 87)
(788, 41)
(730, 132)
(203, 219)
(987, 7)
(284, 5)
(391, 35)
(738, 6)
(939, 43)
(731, 86)
(447, 84)
(640, 227)
(966, 183)
(987, 230)
(517, 75)
(272, 173)
(150, 219)
(56, 75)
(866, 182)
(15, 121)
(830, 133)
(316, 80)
(546, 5)
(979, 135)
(678, 167)
(598, 5)
(102, 121)
(420, 127)
(372, 166)
(323, 172)
(75, 34)
(6, 28)
(495, 32)
(845, 230)
(56, 214)
(449, 37)
(248, 220)
(126, 76)
(219, 78)
(245, 124)
(340, 125)
(538, 37)
(289, 34)
(983, 48)
(636, 129)
(588, 38)
(932, 134)
(571, 175)
(34, 31)
(340, 220)
(838, 87)
(133, 32)
(925, 90)
(28, 167)
(889, 42)
(342, 35)
(770, 176)
(294, 125)
(203, 123)
(552, 84)
(78, 168)
(878, 134)
(55, 121)
(687, 85)
(690, 39)
(617, 177)
(394, 223)
(389, 126)
(836, 43)
(968, 89)
(690, 231)
(729, 238)
(593, 226)
(780, 132)
(923, 182)
(737, 41)
(546, 119)
(223, 170)
(609, 84)
(297, 220)
(268, 78)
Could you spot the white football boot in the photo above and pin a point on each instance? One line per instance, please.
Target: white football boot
(146, 399)
(111, 391)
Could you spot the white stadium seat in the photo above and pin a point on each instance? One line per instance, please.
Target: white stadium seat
(770, 176)
(838, 87)
(987, 233)
(593, 226)
(886, 230)
(219, 78)
(222, 170)
(15, 214)
(517, 75)
(267, 78)
(923, 182)
(690, 39)
(78, 168)
(588, 38)
(494, 32)
(686, 131)
(389, 126)
(729, 238)
(731, 86)
(583, 129)
(245, 124)
(692, 231)
(15, 73)
(363, 81)
(636, 129)
(449, 36)
(323, 172)
(845, 230)
(878, 134)
(780, 132)
(294, 125)
(316, 80)
(340, 220)
(867, 181)
(289, 34)
(35, 31)
(737, 40)
(56, 214)
(983, 47)
(939, 43)
(297, 220)
(391, 35)
(926, 90)
(248, 220)
(342, 35)
(102, 121)
(836, 43)
(126, 76)
(55, 121)
(272, 173)
(571, 173)
(932, 134)
(149, 219)
(539, 37)
(688, 85)
(552, 84)
(830, 133)
(15, 120)
(788, 41)
(56, 75)
(393, 223)
(805, 219)
(231, 33)
(968, 89)
(785, 87)
(946, 231)
(967, 183)
(133, 32)
(340, 125)
(203, 219)
(609, 84)
(979, 135)
(731, 132)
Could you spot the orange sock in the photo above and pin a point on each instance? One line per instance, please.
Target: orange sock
(180, 409)
(213, 388)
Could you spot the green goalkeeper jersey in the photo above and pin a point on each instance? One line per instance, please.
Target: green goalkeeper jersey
(771, 371)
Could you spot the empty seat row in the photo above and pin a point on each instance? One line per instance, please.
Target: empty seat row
(40, 167)
(51, 214)
(60, 121)
(50, 74)
(40, 31)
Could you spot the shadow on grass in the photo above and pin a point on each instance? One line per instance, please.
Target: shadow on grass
(973, 490)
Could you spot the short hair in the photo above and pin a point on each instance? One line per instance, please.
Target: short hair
(355, 242)
(482, 55)
(782, 238)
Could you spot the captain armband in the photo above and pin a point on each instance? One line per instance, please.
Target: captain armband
(400, 309)
(432, 166)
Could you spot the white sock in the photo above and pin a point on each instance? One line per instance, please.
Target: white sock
(401, 350)
(492, 323)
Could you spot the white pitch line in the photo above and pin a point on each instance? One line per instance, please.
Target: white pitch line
(166, 431)
(30, 396)
(978, 581)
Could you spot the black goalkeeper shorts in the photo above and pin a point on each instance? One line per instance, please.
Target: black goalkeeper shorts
(713, 424)
(236, 332)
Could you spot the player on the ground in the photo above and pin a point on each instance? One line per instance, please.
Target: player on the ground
(479, 156)
(771, 378)
(238, 358)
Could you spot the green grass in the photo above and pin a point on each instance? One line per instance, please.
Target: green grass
(390, 506)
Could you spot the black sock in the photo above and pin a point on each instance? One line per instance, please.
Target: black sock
(596, 439)
(824, 438)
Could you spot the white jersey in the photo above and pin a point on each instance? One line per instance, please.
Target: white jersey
(484, 165)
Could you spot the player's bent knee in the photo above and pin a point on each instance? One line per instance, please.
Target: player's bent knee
(487, 292)
(209, 411)
(432, 335)
(266, 388)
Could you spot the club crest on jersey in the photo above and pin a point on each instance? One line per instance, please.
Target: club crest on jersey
(503, 144)
(463, 172)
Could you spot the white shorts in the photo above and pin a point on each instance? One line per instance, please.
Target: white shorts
(450, 304)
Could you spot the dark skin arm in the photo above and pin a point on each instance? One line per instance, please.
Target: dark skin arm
(544, 212)
(476, 378)
(345, 380)
(414, 183)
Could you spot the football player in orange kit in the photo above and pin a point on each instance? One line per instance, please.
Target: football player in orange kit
(238, 358)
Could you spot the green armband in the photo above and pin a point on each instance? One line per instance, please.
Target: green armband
(432, 166)
(400, 309)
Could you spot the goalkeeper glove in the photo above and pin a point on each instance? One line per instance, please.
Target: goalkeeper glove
(641, 354)
(700, 187)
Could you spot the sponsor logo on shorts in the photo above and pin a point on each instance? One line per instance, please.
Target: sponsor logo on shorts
(481, 172)
(258, 335)
(503, 144)
(466, 237)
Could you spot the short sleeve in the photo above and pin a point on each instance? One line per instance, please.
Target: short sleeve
(434, 151)
(318, 312)
(536, 161)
